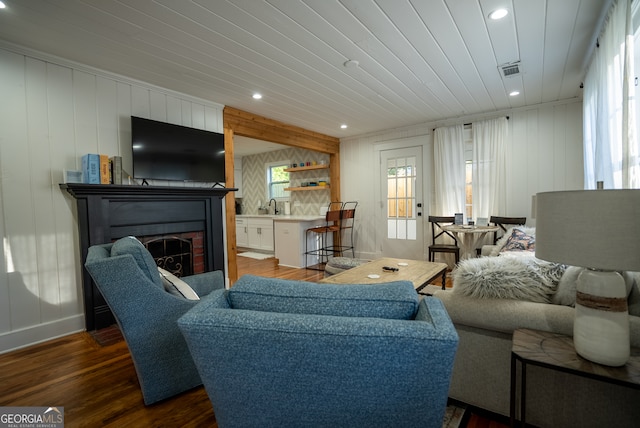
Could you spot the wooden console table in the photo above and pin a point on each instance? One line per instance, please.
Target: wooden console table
(110, 212)
(556, 352)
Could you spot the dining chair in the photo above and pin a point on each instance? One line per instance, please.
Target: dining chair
(437, 231)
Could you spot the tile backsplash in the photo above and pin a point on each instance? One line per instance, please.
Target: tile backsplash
(254, 182)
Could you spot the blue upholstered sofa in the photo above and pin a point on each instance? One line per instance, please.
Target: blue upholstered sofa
(128, 278)
(278, 353)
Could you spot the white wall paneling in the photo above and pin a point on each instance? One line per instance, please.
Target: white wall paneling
(51, 114)
(544, 154)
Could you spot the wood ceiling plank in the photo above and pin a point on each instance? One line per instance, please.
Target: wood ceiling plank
(376, 63)
(581, 39)
(390, 49)
(426, 58)
(442, 27)
(419, 60)
(560, 36)
(531, 22)
(502, 32)
(470, 23)
(295, 86)
(314, 51)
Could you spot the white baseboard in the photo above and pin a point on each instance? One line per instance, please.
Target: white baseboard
(28, 336)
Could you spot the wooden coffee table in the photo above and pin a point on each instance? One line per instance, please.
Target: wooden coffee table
(419, 272)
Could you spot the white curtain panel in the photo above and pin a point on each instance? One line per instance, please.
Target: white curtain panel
(449, 170)
(611, 150)
(489, 167)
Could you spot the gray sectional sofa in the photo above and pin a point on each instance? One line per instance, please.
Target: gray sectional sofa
(481, 375)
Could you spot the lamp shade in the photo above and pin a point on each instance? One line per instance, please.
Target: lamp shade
(598, 229)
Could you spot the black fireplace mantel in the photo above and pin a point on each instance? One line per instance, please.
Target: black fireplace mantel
(110, 212)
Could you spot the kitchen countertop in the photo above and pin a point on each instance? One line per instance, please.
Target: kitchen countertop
(283, 217)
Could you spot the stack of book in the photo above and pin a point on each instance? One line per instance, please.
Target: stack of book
(101, 169)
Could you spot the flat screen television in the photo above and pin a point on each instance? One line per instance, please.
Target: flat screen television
(163, 151)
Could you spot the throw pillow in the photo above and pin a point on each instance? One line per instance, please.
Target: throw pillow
(176, 286)
(517, 278)
(519, 241)
(502, 242)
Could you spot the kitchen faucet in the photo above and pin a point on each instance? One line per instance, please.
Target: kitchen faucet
(275, 206)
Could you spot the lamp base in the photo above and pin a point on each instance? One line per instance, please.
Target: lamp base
(601, 324)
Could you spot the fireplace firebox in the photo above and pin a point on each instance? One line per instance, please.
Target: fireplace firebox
(181, 254)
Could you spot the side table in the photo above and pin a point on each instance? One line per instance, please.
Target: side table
(556, 352)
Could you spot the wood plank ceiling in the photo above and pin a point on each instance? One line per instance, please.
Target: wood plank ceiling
(418, 60)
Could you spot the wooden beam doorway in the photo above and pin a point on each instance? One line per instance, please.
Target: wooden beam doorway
(238, 122)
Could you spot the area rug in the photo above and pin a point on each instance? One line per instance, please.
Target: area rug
(453, 417)
(257, 256)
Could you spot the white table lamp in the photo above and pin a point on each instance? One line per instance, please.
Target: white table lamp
(598, 230)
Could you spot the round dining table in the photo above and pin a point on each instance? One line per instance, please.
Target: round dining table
(469, 237)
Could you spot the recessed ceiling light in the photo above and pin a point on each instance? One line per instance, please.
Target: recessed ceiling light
(343, 126)
(257, 96)
(498, 14)
(514, 93)
(2, 5)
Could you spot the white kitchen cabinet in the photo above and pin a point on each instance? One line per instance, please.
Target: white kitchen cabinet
(242, 233)
(290, 235)
(260, 233)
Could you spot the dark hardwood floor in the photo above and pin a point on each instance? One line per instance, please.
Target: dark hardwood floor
(97, 385)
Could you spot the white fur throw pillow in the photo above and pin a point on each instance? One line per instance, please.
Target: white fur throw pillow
(518, 278)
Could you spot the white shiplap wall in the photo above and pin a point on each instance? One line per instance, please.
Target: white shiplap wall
(51, 113)
(544, 154)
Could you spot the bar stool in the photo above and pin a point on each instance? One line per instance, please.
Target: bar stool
(347, 220)
(319, 235)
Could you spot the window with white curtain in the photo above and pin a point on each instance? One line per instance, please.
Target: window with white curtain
(468, 172)
(449, 170)
(611, 148)
(470, 169)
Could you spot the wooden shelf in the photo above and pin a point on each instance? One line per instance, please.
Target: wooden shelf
(305, 188)
(306, 168)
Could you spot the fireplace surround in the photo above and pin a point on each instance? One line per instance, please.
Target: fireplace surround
(109, 212)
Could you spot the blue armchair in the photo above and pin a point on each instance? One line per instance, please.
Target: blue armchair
(128, 278)
(275, 353)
